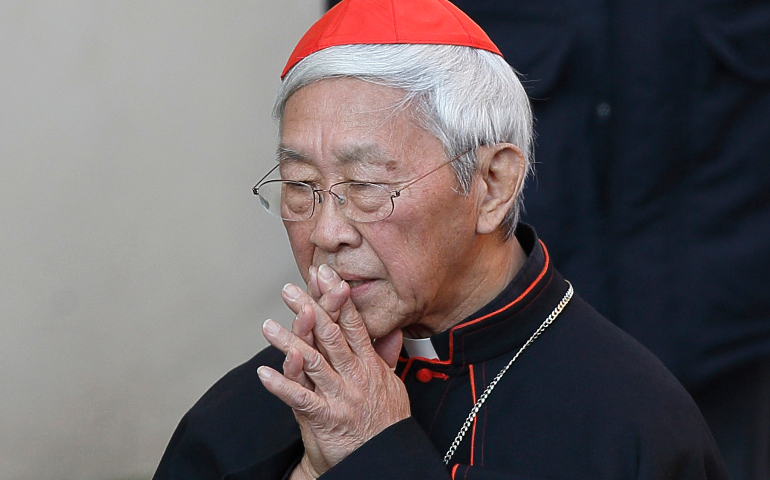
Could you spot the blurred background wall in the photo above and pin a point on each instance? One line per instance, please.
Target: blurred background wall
(135, 265)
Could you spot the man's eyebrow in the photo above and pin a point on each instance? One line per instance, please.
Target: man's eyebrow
(372, 154)
(286, 154)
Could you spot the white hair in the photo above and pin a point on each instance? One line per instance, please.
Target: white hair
(465, 96)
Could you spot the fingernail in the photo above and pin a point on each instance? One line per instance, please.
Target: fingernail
(291, 291)
(326, 272)
(270, 327)
(264, 373)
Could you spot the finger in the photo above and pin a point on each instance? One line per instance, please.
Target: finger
(303, 323)
(315, 366)
(327, 336)
(336, 297)
(292, 368)
(353, 328)
(308, 312)
(389, 347)
(332, 290)
(291, 393)
(312, 283)
(293, 297)
(302, 305)
(331, 341)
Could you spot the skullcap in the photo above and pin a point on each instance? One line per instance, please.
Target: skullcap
(353, 22)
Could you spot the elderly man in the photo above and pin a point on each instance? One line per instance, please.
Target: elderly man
(434, 339)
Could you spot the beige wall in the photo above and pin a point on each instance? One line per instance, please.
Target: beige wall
(135, 265)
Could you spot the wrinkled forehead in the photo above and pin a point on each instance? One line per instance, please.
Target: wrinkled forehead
(353, 123)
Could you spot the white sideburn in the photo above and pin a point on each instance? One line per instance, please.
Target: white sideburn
(420, 347)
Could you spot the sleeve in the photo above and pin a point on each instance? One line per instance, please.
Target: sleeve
(236, 431)
(404, 451)
(192, 457)
(401, 451)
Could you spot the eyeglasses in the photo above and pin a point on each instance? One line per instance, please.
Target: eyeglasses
(361, 202)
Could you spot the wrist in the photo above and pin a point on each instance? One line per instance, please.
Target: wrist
(303, 471)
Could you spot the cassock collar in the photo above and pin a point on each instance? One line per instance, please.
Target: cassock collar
(420, 347)
(506, 322)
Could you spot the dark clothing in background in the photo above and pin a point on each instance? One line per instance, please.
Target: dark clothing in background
(653, 164)
(652, 178)
(652, 183)
(584, 401)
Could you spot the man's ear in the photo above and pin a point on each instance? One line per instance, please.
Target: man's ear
(501, 169)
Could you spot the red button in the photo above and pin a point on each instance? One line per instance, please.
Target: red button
(424, 375)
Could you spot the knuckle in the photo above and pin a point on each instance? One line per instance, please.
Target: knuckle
(315, 362)
(331, 333)
(303, 401)
(332, 304)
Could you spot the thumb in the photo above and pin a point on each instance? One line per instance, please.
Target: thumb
(389, 346)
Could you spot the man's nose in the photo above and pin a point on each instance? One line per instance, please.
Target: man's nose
(332, 230)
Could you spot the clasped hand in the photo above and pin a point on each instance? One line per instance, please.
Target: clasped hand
(340, 385)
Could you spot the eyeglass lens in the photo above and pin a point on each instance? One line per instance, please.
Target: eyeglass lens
(295, 201)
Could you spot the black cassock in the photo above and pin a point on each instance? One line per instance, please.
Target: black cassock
(583, 401)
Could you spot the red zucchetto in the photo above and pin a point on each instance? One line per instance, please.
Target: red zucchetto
(391, 21)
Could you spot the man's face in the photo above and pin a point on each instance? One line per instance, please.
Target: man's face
(409, 269)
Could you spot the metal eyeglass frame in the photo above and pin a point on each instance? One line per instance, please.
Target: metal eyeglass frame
(318, 191)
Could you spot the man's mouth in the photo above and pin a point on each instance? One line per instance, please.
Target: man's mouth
(355, 279)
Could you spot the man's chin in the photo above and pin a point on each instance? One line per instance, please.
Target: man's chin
(378, 319)
(416, 330)
(376, 325)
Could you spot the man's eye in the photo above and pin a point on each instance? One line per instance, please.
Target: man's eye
(367, 197)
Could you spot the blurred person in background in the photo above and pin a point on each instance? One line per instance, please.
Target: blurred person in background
(652, 184)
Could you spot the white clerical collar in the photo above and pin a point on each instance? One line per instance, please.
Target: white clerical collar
(420, 347)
